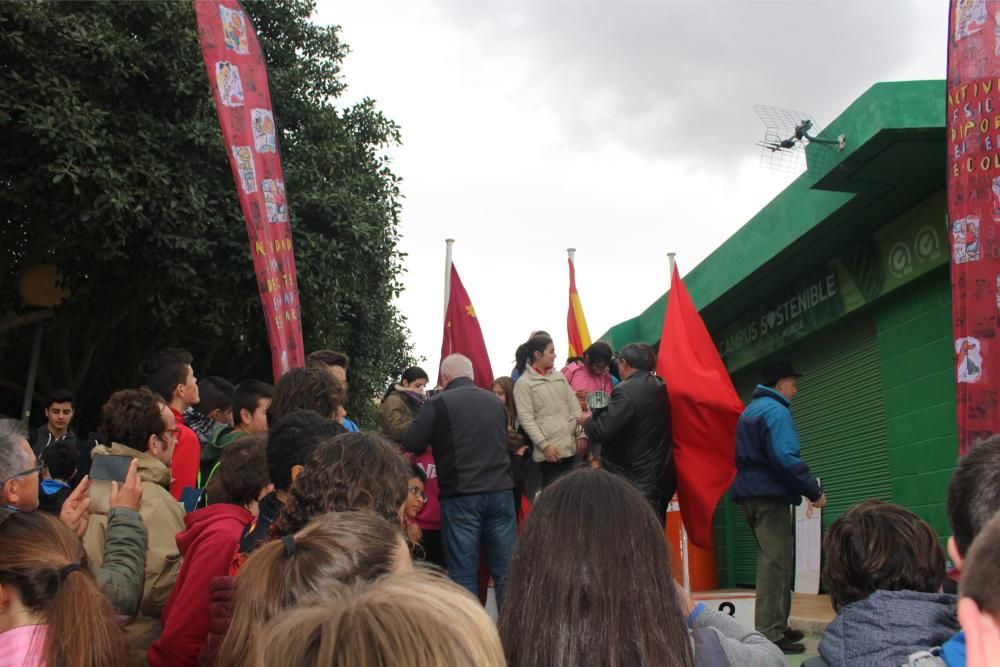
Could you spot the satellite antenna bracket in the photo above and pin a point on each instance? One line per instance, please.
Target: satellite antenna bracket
(785, 139)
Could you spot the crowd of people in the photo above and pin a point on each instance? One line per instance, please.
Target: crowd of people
(207, 523)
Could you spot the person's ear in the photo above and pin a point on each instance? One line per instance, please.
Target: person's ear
(9, 492)
(153, 446)
(245, 417)
(296, 471)
(956, 558)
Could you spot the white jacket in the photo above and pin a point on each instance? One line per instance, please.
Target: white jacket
(548, 409)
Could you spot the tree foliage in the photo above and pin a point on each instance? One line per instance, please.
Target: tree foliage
(112, 168)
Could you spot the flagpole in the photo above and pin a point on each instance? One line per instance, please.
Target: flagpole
(672, 263)
(448, 243)
(571, 252)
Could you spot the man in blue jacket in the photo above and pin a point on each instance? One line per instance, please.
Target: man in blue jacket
(770, 476)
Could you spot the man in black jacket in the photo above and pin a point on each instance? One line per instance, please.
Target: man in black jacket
(634, 430)
(466, 428)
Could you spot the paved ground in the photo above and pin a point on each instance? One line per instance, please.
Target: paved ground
(811, 641)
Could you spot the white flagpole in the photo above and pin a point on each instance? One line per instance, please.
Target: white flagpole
(571, 252)
(685, 564)
(448, 243)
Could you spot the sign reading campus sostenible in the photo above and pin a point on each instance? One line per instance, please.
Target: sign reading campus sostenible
(905, 249)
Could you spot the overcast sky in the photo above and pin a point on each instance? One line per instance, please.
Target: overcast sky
(623, 129)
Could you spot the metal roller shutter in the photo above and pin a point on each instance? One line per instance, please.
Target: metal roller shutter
(839, 413)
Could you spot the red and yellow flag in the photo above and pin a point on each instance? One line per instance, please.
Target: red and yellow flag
(576, 323)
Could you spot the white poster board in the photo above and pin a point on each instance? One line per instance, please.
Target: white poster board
(808, 545)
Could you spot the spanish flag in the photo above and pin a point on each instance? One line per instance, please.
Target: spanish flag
(576, 323)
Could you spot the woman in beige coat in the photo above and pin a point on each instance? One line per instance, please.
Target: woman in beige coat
(547, 408)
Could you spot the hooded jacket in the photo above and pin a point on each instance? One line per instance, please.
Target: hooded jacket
(211, 537)
(399, 408)
(888, 626)
(634, 432)
(163, 518)
(547, 409)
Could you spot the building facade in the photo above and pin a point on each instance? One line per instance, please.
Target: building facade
(846, 272)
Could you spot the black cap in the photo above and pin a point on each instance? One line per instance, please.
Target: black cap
(775, 369)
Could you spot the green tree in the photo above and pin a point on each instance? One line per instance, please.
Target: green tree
(113, 169)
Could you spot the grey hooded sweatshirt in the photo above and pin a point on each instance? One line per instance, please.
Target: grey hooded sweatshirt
(888, 626)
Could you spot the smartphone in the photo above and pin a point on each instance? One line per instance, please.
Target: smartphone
(105, 469)
(190, 497)
(110, 468)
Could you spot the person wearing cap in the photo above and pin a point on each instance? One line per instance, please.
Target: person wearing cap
(771, 476)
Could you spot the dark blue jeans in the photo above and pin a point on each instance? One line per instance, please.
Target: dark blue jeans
(485, 519)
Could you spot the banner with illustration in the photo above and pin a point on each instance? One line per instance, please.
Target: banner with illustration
(973, 127)
(904, 249)
(238, 78)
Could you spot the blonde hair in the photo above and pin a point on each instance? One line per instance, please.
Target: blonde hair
(339, 547)
(416, 619)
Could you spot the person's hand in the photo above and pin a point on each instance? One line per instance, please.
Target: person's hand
(687, 604)
(413, 533)
(581, 446)
(129, 494)
(75, 512)
(821, 503)
(584, 418)
(521, 450)
(551, 454)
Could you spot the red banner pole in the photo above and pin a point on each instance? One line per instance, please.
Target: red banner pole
(238, 78)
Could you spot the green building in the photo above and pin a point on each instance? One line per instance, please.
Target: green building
(846, 272)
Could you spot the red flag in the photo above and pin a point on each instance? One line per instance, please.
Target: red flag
(704, 409)
(235, 66)
(462, 334)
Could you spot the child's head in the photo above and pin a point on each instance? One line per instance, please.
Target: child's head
(973, 496)
(354, 471)
(979, 606)
(60, 460)
(410, 620)
(250, 402)
(335, 548)
(875, 546)
(416, 496)
(243, 472)
(216, 399)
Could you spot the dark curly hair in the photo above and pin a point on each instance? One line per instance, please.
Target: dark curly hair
(243, 470)
(355, 471)
(306, 389)
(880, 546)
(129, 417)
(291, 439)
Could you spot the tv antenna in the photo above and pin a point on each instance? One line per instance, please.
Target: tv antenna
(787, 133)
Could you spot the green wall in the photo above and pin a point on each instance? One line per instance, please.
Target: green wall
(918, 379)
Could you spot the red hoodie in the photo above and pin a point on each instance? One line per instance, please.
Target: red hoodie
(207, 545)
(187, 458)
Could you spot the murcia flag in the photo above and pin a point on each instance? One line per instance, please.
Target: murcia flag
(462, 334)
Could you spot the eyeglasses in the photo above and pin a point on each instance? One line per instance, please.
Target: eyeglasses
(418, 492)
(24, 473)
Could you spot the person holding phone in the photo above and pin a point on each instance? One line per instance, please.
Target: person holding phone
(120, 575)
(136, 424)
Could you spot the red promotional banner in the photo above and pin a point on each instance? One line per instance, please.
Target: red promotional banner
(973, 125)
(238, 78)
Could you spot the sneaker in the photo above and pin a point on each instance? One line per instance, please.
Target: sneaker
(789, 647)
(793, 635)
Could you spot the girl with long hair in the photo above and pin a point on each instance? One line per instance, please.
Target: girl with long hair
(524, 470)
(547, 409)
(616, 603)
(336, 548)
(51, 611)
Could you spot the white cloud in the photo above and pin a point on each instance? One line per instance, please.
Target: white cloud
(624, 129)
